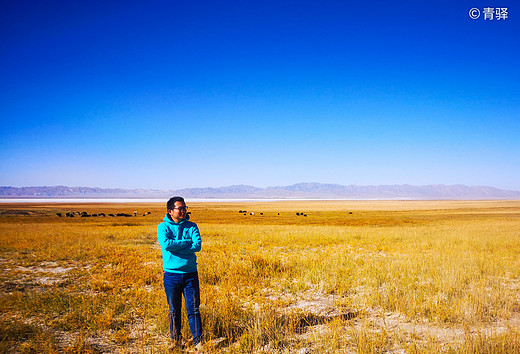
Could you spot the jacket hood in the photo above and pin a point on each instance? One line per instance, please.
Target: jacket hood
(169, 220)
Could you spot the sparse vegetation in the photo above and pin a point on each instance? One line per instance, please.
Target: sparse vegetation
(350, 277)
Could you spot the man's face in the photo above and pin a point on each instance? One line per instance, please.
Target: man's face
(178, 213)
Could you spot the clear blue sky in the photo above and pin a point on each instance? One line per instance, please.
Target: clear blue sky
(173, 94)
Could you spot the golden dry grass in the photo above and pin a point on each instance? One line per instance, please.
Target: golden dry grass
(381, 276)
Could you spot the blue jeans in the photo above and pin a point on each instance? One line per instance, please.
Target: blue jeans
(175, 285)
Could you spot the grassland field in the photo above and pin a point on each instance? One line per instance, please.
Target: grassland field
(349, 277)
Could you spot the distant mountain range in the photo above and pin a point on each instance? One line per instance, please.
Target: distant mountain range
(295, 191)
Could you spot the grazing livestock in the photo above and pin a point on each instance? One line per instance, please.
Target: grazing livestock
(252, 213)
(102, 214)
(350, 212)
(261, 213)
(85, 216)
(59, 214)
(111, 215)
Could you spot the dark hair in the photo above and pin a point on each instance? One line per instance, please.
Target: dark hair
(171, 203)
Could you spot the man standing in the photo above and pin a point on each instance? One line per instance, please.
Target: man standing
(179, 240)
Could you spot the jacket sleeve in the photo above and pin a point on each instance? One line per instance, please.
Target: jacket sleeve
(168, 244)
(195, 241)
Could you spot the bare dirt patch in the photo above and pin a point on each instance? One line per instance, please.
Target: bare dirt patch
(22, 278)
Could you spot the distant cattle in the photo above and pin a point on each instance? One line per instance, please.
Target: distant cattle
(252, 213)
(111, 215)
(59, 214)
(102, 214)
(350, 212)
(85, 216)
(261, 213)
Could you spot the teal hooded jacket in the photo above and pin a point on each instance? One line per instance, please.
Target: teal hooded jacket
(179, 242)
